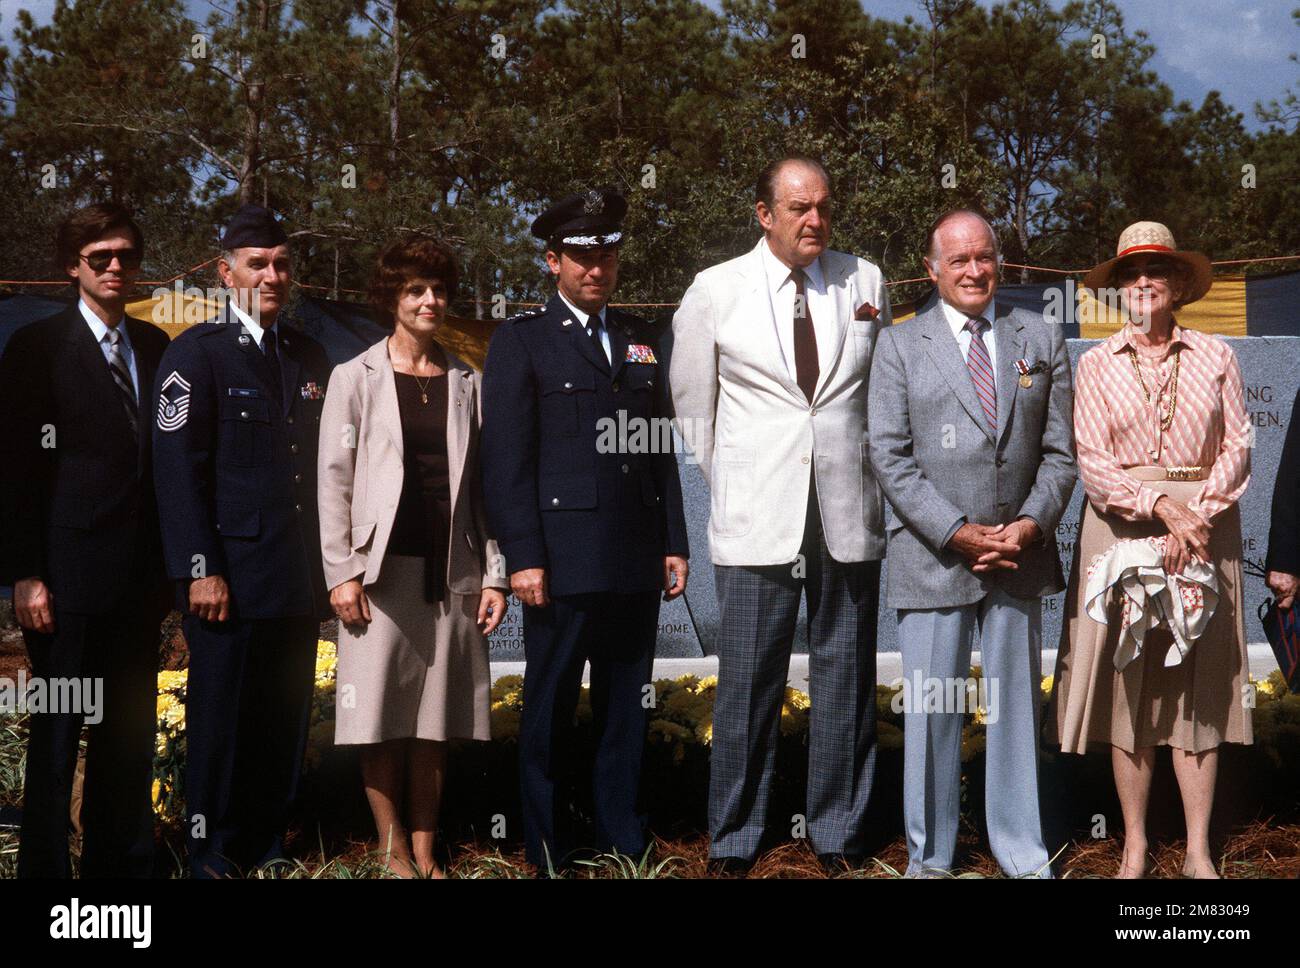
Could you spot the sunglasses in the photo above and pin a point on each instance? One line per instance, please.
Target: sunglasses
(101, 259)
(1159, 271)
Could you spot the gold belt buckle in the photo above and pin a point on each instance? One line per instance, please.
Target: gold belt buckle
(1183, 473)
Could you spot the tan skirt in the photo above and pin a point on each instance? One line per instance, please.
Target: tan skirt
(1195, 705)
(418, 670)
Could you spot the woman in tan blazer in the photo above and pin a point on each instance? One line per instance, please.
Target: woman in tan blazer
(415, 580)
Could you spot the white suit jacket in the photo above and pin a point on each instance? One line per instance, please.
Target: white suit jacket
(755, 434)
(360, 470)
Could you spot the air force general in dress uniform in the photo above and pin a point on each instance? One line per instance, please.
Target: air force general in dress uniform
(590, 538)
(238, 403)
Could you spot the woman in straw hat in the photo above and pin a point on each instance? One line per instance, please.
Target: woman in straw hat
(1164, 449)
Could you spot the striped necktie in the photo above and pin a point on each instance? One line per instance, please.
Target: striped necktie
(122, 378)
(981, 370)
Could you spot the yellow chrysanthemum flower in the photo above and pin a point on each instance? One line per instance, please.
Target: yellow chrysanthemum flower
(172, 679)
(507, 684)
(796, 699)
(505, 723)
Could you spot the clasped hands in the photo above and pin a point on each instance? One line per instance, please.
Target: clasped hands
(990, 547)
(987, 547)
(1189, 534)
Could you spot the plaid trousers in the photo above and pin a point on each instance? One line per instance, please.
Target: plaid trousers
(759, 609)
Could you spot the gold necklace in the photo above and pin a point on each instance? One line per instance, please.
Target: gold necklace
(424, 387)
(1167, 421)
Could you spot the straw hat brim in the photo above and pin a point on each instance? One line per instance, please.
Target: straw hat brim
(1201, 279)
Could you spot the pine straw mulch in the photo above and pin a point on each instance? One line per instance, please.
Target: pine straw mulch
(1255, 851)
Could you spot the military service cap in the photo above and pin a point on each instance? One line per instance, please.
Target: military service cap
(588, 220)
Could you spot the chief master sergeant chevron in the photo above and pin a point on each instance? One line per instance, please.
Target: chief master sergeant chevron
(235, 440)
(591, 538)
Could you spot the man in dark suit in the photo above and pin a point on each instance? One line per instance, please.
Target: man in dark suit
(79, 543)
(238, 403)
(1283, 561)
(591, 528)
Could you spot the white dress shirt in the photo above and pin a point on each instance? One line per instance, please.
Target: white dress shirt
(782, 290)
(254, 328)
(100, 330)
(957, 321)
(582, 318)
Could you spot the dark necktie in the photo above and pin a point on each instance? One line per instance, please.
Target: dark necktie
(593, 330)
(981, 370)
(122, 379)
(273, 364)
(806, 368)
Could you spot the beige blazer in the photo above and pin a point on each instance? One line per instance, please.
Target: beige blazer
(753, 431)
(360, 472)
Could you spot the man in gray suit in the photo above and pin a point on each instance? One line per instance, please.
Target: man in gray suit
(771, 352)
(972, 441)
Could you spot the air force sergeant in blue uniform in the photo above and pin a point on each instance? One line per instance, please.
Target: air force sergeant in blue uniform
(591, 528)
(236, 415)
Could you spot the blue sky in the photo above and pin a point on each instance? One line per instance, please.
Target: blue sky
(1239, 47)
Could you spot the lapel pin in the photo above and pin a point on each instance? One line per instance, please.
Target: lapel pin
(245, 339)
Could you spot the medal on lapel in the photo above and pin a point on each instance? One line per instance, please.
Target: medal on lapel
(1022, 367)
(639, 353)
(1027, 371)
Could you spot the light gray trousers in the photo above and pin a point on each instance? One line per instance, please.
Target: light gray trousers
(936, 652)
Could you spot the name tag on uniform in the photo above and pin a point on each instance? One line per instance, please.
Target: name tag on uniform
(243, 392)
(311, 391)
(639, 353)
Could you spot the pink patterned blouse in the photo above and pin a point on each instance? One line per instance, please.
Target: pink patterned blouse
(1115, 427)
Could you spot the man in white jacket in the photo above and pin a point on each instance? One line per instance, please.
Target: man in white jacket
(771, 352)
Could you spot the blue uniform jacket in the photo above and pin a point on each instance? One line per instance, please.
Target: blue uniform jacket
(579, 473)
(235, 468)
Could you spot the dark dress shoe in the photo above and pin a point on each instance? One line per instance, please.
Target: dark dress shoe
(729, 866)
(834, 864)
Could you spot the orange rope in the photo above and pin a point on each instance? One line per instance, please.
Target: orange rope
(305, 285)
(182, 275)
(1064, 272)
(1275, 258)
(896, 282)
(1079, 272)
